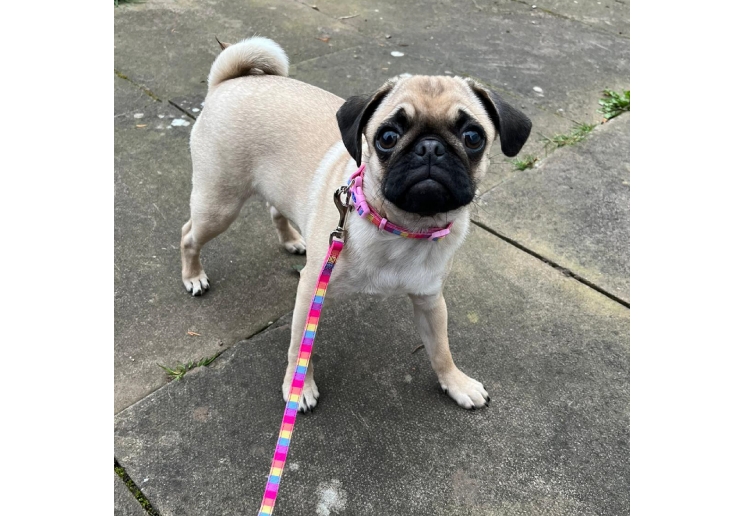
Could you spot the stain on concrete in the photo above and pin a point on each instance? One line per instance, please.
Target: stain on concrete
(331, 498)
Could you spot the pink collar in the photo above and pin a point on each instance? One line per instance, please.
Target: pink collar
(360, 204)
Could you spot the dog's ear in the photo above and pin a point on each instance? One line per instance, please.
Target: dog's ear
(353, 116)
(512, 125)
(223, 46)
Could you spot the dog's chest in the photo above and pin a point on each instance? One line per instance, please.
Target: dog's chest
(385, 265)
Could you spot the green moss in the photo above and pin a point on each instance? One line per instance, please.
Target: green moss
(147, 91)
(141, 498)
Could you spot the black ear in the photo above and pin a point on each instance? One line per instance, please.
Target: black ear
(353, 116)
(513, 126)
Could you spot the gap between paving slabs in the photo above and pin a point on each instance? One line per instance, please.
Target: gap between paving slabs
(553, 264)
(549, 150)
(129, 500)
(572, 210)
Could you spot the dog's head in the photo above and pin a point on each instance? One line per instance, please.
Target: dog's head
(426, 139)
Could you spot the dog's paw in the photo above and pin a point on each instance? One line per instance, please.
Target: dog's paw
(467, 392)
(309, 397)
(197, 285)
(296, 246)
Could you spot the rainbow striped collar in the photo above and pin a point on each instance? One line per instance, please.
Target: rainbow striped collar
(366, 211)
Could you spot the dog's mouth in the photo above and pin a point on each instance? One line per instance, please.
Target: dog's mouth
(427, 197)
(428, 191)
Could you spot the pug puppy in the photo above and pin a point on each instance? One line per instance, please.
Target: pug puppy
(425, 143)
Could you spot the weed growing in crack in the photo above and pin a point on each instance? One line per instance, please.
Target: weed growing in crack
(579, 133)
(177, 372)
(525, 162)
(614, 103)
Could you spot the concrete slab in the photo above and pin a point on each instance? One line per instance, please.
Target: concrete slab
(404, 22)
(384, 439)
(506, 44)
(153, 311)
(573, 208)
(125, 504)
(610, 15)
(168, 46)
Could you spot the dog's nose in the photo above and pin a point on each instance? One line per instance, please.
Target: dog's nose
(430, 147)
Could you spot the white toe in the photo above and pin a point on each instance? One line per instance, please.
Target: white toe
(467, 392)
(197, 285)
(310, 394)
(295, 246)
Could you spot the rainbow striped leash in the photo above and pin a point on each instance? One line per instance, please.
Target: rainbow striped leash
(336, 245)
(351, 193)
(298, 382)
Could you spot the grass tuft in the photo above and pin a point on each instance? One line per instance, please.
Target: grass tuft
(176, 373)
(579, 133)
(614, 103)
(525, 162)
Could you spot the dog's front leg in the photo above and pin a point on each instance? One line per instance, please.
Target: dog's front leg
(430, 313)
(305, 292)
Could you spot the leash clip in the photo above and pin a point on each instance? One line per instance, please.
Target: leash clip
(341, 198)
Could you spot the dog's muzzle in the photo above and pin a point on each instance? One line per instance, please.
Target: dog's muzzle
(429, 179)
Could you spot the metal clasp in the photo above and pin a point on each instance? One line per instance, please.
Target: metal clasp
(341, 198)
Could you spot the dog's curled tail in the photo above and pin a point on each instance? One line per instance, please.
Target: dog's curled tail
(244, 57)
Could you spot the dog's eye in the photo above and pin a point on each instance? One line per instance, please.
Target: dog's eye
(472, 140)
(387, 140)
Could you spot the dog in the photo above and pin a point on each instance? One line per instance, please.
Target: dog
(424, 142)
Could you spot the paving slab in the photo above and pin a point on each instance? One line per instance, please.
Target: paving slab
(506, 44)
(125, 504)
(153, 311)
(609, 15)
(169, 45)
(384, 439)
(573, 208)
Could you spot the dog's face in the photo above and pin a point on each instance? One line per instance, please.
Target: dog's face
(427, 139)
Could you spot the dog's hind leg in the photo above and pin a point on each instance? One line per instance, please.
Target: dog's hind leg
(206, 222)
(288, 236)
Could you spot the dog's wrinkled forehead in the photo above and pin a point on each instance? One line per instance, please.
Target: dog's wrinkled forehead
(432, 102)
